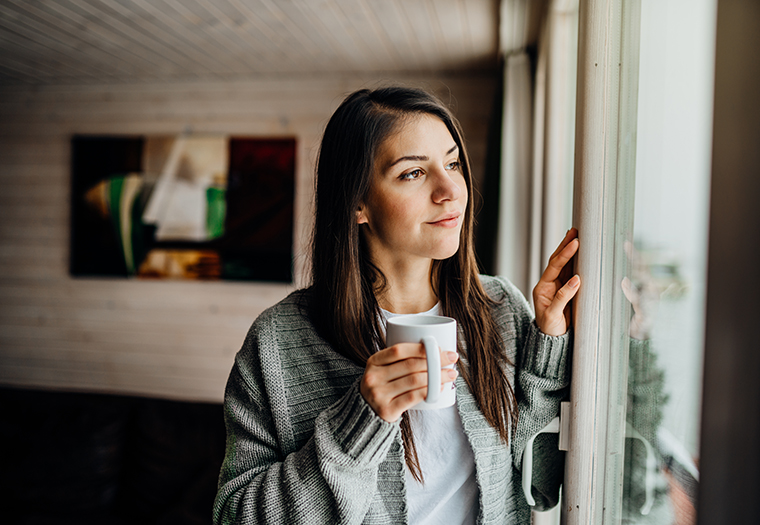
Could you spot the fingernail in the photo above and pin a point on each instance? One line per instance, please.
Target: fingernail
(575, 281)
(453, 356)
(452, 374)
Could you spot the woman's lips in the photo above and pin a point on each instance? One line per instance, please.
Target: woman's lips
(448, 221)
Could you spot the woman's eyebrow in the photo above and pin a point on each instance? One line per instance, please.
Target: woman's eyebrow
(417, 157)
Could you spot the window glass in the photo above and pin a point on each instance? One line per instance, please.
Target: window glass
(665, 258)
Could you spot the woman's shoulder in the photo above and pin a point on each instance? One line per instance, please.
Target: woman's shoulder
(288, 316)
(283, 344)
(282, 326)
(293, 309)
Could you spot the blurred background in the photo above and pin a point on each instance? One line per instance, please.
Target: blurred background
(161, 68)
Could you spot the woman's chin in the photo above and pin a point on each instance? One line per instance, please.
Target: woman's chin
(443, 253)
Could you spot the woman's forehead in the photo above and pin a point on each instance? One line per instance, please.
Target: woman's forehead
(419, 136)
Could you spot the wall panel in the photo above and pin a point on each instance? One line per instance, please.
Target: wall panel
(166, 339)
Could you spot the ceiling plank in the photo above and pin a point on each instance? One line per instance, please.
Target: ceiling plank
(99, 34)
(329, 21)
(37, 24)
(126, 41)
(145, 16)
(212, 23)
(149, 44)
(40, 54)
(364, 28)
(395, 31)
(484, 29)
(415, 16)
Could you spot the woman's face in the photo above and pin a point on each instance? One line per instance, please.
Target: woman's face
(416, 203)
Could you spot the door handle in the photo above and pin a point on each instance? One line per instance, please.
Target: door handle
(560, 425)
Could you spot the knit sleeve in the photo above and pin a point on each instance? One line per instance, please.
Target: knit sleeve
(543, 383)
(646, 389)
(542, 380)
(331, 479)
(646, 397)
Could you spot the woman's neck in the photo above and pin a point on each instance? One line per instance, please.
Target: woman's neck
(408, 291)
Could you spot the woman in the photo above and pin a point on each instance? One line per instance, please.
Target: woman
(316, 406)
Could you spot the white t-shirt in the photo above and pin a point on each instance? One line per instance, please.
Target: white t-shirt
(449, 494)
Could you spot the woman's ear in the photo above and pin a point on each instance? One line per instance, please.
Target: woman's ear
(361, 216)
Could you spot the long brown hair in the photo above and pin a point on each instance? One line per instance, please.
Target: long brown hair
(343, 304)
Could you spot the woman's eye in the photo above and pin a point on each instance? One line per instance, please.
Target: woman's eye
(411, 175)
(453, 165)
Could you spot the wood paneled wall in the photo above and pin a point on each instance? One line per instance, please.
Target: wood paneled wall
(168, 338)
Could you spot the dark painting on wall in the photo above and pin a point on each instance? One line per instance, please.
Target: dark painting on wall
(188, 207)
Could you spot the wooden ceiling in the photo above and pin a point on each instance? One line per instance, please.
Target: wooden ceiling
(117, 41)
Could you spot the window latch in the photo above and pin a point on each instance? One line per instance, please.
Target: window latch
(559, 425)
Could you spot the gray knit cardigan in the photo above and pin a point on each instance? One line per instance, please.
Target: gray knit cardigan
(303, 446)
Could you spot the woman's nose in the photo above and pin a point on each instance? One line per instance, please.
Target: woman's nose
(446, 186)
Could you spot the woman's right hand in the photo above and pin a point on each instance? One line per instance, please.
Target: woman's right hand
(395, 379)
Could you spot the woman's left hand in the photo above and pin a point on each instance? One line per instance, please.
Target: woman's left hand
(556, 287)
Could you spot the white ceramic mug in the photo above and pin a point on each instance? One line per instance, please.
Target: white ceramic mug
(438, 334)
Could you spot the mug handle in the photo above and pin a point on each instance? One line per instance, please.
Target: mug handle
(433, 355)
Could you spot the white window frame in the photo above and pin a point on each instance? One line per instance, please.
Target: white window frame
(603, 213)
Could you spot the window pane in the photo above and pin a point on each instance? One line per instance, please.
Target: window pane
(666, 273)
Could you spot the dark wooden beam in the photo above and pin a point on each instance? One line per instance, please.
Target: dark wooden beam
(730, 456)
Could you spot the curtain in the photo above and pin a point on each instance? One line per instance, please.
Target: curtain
(537, 139)
(514, 222)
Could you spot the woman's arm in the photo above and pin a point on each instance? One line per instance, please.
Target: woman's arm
(542, 366)
(543, 380)
(642, 488)
(543, 370)
(331, 479)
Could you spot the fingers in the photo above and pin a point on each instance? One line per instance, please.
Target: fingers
(396, 353)
(402, 360)
(403, 351)
(400, 368)
(419, 381)
(630, 292)
(556, 288)
(411, 390)
(558, 261)
(396, 378)
(554, 317)
(571, 234)
(391, 399)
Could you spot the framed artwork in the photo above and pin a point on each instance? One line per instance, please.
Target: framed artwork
(186, 207)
